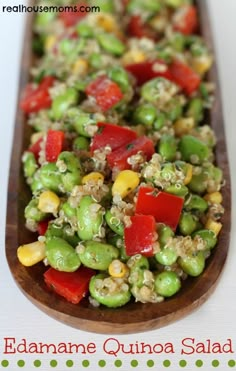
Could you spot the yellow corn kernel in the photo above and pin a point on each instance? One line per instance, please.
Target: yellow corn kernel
(202, 64)
(80, 67)
(189, 174)
(133, 56)
(126, 182)
(183, 126)
(214, 226)
(50, 42)
(107, 22)
(36, 136)
(117, 269)
(93, 176)
(48, 202)
(214, 197)
(31, 254)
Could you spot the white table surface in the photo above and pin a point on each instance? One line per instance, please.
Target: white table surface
(215, 320)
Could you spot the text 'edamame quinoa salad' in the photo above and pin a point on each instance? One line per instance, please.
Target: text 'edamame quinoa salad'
(126, 197)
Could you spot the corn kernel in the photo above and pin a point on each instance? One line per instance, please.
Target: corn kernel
(117, 269)
(107, 22)
(50, 42)
(183, 126)
(214, 198)
(202, 64)
(80, 67)
(189, 174)
(133, 56)
(126, 182)
(48, 202)
(31, 253)
(213, 226)
(93, 176)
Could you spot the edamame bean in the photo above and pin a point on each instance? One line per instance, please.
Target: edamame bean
(160, 121)
(187, 223)
(178, 41)
(193, 265)
(84, 30)
(167, 256)
(32, 211)
(29, 164)
(99, 288)
(152, 91)
(177, 189)
(193, 150)
(120, 76)
(81, 121)
(164, 234)
(95, 60)
(174, 109)
(111, 44)
(198, 183)
(98, 255)
(50, 177)
(175, 3)
(62, 102)
(145, 5)
(195, 109)
(63, 231)
(70, 169)
(90, 218)
(114, 223)
(69, 211)
(167, 283)
(44, 19)
(145, 115)
(61, 255)
(138, 262)
(208, 236)
(196, 203)
(81, 144)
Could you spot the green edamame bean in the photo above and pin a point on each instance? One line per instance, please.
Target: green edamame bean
(208, 236)
(111, 44)
(50, 177)
(196, 203)
(166, 256)
(95, 60)
(175, 3)
(81, 144)
(66, 46)
(89, 220)
(115, 224)
(167, 147)
(69, 211)
(193, 150)
(137, 277)
(198, 182)
(81, 121)
(62, 231)
(145, 115)
(159, 122)
(99, 290)
(70, 169)
(32, 212)
(193, 265)
(152, 91)
(177, 189)
(164, 234)
(144, 5)
(174, 109)
(61, 255)
(139, 262)
(120, 76)
(29, 164)
(195, 109)
(44, 19)
(63, 101)
(167, 283)
(54, 230)
(178, 41)
(98, 255)
(84, 30)
(187, 224)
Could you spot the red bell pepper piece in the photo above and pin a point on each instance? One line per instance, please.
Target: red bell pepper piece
(184, 76)
(36, 148)
(118, 158)
(70, 18)
(166, 208)
(105, 91)
(112, 135)
(136, 28)
(139, 236)
(186, 20)
(54, 144)
(145, 71)
(42, 227)
(73, 286)
(36, 98)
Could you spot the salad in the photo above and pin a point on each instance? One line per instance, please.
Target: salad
(126, 196)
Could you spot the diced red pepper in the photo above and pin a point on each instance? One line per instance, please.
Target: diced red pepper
(54, 144)
(147, 70)
(112, 135)
(36, 148)
(136, 28)
(42, 227)
(184, 76)
(36, 98)
(119, 157)
(186, 20)
(105, 91)
(73, 286)
(70, 18)
(166, 208)
(139, 236)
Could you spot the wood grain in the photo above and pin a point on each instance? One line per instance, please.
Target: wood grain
(134, 317)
